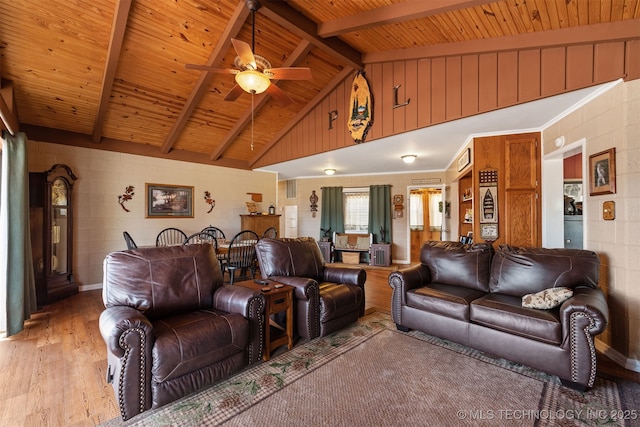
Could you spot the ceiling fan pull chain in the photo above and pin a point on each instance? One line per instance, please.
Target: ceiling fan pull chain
(252, 95)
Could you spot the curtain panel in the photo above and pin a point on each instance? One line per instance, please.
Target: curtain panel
(17, 281)
(380, 213)
(331, 210)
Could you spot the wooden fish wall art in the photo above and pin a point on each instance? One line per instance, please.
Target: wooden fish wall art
(360, 119)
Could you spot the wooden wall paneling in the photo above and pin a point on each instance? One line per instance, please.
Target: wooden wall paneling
(438, 90)
(424, 93)
(399, 114)
(411, 93)
(320, 122)
(309, 136)
(608, 62)
(552, 71)
(453, 96)
(387, 99)
(507, 78)
(301, 141)
(579, 66)
(326, 108)
(469, 85)
(521, 218)
(488, 82)
(528, 75)
(373, 73)
(632, 62)
(342, 105)
(333, 133)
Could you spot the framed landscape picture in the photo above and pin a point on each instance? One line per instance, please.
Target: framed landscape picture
(169, 201)
(602, 172)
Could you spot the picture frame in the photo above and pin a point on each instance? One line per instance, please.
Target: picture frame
(573, 189)
(169, 201)
(602, 172)
(464, 159)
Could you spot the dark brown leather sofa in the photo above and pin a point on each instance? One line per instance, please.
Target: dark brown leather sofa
(326, 299)
(172, 327)
(473, 296)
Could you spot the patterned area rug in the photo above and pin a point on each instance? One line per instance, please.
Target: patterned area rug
(369, 374)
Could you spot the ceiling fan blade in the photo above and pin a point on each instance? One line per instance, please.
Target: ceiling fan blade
(234, 93)
(210, 69)
(244, 53)
(289, 73)
(279, 95)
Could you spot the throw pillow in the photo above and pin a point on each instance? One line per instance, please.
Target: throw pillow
(362, 243)
(547, 299)
(342, 241)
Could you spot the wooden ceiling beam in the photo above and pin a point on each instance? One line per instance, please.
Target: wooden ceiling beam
(233, 27)
(307, 108)
(608, 32)
(292, 20)
(300, 51)
(118, 28)
(8, 110)
(398, 12)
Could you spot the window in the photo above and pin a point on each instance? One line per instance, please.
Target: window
(356, 210)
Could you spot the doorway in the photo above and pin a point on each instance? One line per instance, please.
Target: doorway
(425, 217)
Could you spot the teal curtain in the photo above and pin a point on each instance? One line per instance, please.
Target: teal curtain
(17, 282)
(380, 213)
(332, 210)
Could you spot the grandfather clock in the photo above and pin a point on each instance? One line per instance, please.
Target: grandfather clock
(51, 220)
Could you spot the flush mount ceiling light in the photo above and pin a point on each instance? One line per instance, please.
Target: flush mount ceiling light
(409, 158)
(329, 171)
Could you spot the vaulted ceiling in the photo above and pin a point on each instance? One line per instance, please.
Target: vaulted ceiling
(110, 74)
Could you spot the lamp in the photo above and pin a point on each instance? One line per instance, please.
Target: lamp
(409, 158)
(329, 171)
(252, 81)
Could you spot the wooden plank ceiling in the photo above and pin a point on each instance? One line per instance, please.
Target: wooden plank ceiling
(111, 74)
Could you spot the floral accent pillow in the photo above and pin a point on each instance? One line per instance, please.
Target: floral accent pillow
(547, 299)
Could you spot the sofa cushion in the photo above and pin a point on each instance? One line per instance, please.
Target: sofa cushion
(445, 300)
(296, 257)
(189, 342)
(162, 281)
(547, 299)
(519, 271)
(453, 263)
(505, 313)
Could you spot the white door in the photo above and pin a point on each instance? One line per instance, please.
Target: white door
(291, 221)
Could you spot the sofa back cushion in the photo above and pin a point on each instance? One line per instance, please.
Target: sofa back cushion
(454, 263)
(162, 281)
(299, 257)
(519, 271)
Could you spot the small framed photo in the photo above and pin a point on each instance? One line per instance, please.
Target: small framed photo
(602, 172)
(464, 159)
(169, 201)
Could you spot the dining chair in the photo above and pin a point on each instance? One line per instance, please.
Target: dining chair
(242, 255)
(270, 233)
(217, 233)
(170, 237)
(129, 241)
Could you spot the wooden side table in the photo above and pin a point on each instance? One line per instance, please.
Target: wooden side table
(277, 300)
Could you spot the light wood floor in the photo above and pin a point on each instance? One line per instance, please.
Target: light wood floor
(53, 372)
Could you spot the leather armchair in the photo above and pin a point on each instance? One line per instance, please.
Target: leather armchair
(171, 326)
(326, 299)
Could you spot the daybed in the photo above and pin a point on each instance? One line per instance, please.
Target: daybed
(171, 326)
(473, 296)
(349, 247)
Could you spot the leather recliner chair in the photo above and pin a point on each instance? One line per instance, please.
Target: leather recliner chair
(171, 326)
(326, 299)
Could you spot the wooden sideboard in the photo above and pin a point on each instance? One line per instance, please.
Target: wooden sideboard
(259, 223)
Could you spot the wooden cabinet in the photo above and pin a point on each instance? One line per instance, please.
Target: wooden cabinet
(51, 222)
(259, 223)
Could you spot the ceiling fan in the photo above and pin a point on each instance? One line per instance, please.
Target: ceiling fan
(253, 73)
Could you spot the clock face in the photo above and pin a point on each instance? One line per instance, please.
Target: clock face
(397, 199)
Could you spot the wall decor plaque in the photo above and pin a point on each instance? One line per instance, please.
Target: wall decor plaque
(361, 106)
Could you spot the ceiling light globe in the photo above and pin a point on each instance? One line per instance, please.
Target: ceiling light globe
(252, 81)
(409, 158)
(329, 171)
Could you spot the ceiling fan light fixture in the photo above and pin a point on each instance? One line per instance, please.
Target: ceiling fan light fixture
(329, 171)
(409, 158)
(252, 81)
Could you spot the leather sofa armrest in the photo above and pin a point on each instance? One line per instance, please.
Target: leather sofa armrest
(349, 276)
(583, 316)
(129, 338)
(250, 304)
(305, 288)
(402, 281)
